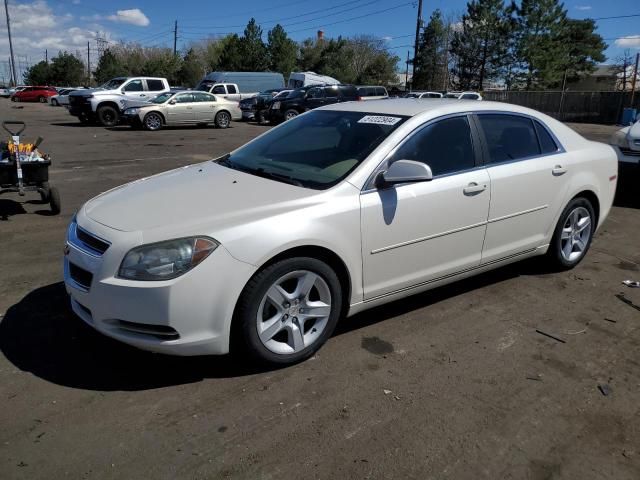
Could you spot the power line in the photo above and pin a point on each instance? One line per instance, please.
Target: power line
(615, 17)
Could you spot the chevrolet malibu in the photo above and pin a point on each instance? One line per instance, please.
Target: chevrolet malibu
(184, 108)
(341, 209)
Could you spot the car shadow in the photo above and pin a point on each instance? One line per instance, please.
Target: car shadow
(627, 193)
(73, 124)
(41, 335)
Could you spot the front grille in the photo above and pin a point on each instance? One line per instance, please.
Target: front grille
(94, 243)
(159, 331)
(77, 100)
(628, 151)
(80, 276)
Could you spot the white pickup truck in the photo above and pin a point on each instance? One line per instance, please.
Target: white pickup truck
(230, 91)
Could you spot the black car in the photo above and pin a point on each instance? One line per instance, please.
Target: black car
(252, 107)
(307, 98)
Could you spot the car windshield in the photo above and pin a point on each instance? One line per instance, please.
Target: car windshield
(113, 83)
(163, 97)
(316, 150)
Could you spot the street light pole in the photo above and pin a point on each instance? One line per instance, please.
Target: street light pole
(13, 61)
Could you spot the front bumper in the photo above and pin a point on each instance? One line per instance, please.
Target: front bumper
(80, 110)
(197, 306)
(627, 155)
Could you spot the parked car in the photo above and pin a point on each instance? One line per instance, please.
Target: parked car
(626, 143)
(470, 96)
(5, 92)
(420, 94)
(240, 85)
(307, 98)
(254, 108)
(306, 79)
(106, 103)
(344, 208)
(34, 94)
(372, 92)
(184, 108)
(62, 98)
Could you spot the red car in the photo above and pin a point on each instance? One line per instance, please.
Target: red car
(34, 94)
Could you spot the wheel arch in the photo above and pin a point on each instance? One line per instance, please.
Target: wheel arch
(593, 199)
(108, 103)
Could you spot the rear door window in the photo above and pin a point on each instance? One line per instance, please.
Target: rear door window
(232, 89)
(155, 85)
(509, 137)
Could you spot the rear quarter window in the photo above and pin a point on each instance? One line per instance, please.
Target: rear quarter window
(547, 143)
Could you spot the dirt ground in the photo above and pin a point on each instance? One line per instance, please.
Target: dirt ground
(475, 391)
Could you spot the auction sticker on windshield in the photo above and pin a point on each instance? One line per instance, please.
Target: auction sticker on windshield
(380, 119)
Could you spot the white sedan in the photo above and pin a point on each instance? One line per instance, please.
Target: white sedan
(626, 142)
(341, 209)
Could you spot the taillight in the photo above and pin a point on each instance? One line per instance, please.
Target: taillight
(359, 98)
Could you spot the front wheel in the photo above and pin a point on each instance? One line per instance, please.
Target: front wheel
(15, 99)
(54, 102)
(108, 116)
(288, 310)
(153, 121)
(42, 99)
(573, 234)
(222, 120)
(289, 114)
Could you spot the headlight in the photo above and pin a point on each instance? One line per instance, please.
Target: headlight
(276, 105)
(131, 111)
(165, 260)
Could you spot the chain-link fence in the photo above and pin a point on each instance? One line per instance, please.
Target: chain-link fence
(585, 107)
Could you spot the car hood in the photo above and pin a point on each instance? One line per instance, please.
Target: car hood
(205, 195)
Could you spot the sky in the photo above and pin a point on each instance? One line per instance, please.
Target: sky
(53, 25)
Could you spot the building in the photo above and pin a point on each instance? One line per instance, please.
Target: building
(605, 78)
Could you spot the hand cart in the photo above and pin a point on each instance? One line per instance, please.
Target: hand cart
(24, 169)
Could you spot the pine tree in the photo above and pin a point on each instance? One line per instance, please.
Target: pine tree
(109, 66)
(429, 66)
(282, 51)
(253, 49)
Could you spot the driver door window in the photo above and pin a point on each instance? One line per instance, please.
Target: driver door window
(134, 86)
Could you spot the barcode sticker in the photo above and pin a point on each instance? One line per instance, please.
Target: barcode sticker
(379, 119)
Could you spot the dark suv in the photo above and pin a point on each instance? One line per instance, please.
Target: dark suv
(308, 98)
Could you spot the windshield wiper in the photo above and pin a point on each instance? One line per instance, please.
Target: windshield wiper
(261, 172)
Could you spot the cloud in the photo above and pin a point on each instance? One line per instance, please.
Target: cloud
(387, 38)
(583, 7)
(133, 16)
(630, 41)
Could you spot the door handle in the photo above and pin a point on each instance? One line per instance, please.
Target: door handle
(142, 95)
(473, 189)
(558, 170)
(189, 108)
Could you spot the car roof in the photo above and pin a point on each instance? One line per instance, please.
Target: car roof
(414, 106)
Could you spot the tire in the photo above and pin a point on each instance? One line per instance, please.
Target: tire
(108, 116)
(291, 113)
(55, 103)
(573, 234)
(42, 99)
(223, 119)
(45, 192)
(84, 119)
(273, 327)
(15, 99)
(54, 200)
(152, 121)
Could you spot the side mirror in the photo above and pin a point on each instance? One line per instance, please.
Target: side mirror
(404, 171)
(172, 102)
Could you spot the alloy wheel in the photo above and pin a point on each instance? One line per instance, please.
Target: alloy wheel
(223, 120)
(575, 235)
(153, 121)
(294, 312)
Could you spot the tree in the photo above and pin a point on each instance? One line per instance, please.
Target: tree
(66, 69)
(38, 74)
(282, 51)
(231, 55)
(480, 45)
(161, 62)
(578, 49)
(538, 24)
(429, 67)
(253, 49)
(368, 62)
(624, 70)
(109, 66)
(192, 69)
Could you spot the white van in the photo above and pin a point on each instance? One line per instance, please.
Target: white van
(303, 79)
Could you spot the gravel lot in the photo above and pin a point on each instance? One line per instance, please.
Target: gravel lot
(476, 393)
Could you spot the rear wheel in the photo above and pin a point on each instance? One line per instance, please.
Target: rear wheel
(54, 102)
(42, 99)
(108, 116)
(153, 121)
(573, 234)
(54, 200)
(44, 192)
(15, 99)
(222, 120)
(289, 309)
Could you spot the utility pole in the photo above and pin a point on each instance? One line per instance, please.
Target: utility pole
(13, 63)
(418, 25)
(634, 79)
(175, 37)
(88, 66)
(406, 73)
(46, 56)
